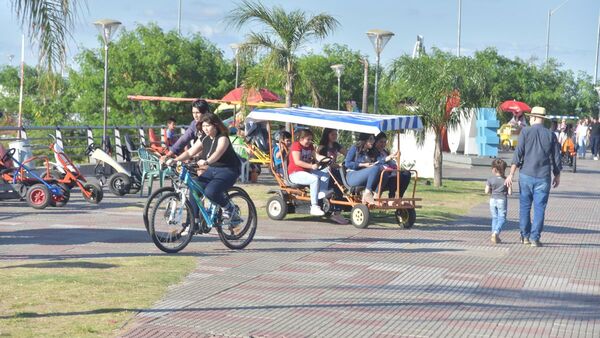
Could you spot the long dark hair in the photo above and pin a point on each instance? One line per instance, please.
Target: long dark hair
(324, 143)
(215, 121)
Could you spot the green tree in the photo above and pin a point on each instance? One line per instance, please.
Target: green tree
(425, 83)
(149, 61)
(48, 22)
(283, 36)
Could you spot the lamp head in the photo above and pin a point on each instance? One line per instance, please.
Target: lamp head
(379, 38)
(338, 69)
(107, 28)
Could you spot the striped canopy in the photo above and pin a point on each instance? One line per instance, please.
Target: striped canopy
(324, 118)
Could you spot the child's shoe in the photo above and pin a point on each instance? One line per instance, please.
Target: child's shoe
(496, 238)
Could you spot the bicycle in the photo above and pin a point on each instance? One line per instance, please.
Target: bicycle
(172, 224)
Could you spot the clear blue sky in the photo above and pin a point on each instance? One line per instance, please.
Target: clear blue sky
(514, 27)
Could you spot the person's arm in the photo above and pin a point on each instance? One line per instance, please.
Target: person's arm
(510, 190)
(222, 144)
(509, 178)
(298, 161)
(517, 160)
(318, 156)
(183, 141)
(351, 163)
(487, 188)
(186, 155)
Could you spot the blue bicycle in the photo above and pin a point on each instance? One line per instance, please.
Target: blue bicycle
(172, 223)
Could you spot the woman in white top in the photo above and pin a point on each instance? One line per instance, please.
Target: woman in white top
(581, 132)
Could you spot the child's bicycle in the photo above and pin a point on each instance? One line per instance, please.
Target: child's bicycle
(171, 218)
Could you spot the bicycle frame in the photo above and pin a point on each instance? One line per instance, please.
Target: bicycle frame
(189, 184)
(54, 189)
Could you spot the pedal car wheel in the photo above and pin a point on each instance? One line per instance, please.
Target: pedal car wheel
(95, 193)
(359, 216)
(61, 201)
(38, 196)
(276, 208)
(406, 217)
(119, 184)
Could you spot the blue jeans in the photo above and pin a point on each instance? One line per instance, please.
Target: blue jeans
(532, 190)
(498, 208)
(216, 181)
(581, 148)
(595, 142)
(317, 180)
(367, 177)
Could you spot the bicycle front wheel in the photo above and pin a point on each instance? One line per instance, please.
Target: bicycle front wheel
(238, 236)
(171, 223)
(150, 202)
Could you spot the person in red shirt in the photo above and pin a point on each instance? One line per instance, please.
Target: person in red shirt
(302, 170)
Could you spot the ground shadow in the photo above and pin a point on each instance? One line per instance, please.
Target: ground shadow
(61, 265)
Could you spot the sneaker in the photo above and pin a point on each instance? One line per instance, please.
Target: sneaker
(525, 240)
(339, 219)
(496, 238)
(324, 194)
(536, 244)
(315, 210)
(595, 158)
(367, 197)
(232, 216)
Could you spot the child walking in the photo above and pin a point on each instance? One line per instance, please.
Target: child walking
(498, 200)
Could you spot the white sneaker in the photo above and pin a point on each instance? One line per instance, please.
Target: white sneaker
(315, 210)
(595, 158)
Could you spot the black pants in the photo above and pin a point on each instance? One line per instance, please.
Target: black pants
(389, 183)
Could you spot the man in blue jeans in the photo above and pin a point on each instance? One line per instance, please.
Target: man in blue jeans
(538, 157)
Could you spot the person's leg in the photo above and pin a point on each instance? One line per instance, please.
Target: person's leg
(373, 177)
(357, 178)
(216, 189)
(323, 181)
(501, 207)
(525, 200)
(494, 215)
(405, 176)
(541, 192)
(305, 178)
(361, 178)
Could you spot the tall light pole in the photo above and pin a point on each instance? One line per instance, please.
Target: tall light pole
(379, 38)
(550, 12)
(179, 19)
(107, 28)
(597, 52)
(459, 24)
(235, 47)
(338, 69)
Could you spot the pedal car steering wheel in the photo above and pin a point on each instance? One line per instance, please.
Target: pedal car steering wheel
(324, 163)
(8, 155)
(90, 149)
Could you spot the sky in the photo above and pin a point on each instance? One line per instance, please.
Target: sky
(516, 28)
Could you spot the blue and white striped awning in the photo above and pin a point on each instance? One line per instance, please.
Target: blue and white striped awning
(337, 119)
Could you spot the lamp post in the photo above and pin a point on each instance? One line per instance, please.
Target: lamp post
(459, 24)
(597, 52)
(107, 28)
(550, 12)
(338, 69)
(235, 47)
(379, 38)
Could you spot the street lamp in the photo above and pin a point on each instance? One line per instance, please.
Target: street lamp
(379, 38)
(235, 47)
(550, 12)
(338, 69)
(107, 28)
(597, 52)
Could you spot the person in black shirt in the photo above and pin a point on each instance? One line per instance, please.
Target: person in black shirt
(595, 138)
(219, 163)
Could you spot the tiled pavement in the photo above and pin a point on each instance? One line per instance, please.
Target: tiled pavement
(320, 279)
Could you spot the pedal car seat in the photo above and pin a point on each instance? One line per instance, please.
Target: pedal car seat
(286, 178)
(353, 190)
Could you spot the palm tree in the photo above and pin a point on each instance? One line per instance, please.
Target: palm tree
(48, 23)
(284, 34)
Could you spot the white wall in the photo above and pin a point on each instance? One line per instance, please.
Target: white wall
(422, 156)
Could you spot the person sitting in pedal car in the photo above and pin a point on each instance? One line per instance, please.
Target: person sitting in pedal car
(281, 150)
(302, 170)
(329, 147)
(387, 160)
(361, 168)
(220, 164)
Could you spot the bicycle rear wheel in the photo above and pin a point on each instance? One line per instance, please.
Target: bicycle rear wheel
(170, 223)
(239, 236)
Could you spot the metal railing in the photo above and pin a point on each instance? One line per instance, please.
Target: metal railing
(80, 137)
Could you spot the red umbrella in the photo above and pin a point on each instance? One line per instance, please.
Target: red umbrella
(515, 107)
(261, 95)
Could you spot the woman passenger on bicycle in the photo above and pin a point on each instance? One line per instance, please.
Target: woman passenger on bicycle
(362, 170)
(218, 160)
(302, 170)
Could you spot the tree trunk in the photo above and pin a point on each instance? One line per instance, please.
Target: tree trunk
(289, 89)
(437, 158)
(365, 97)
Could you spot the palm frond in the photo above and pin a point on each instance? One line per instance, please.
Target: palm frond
(48, 22)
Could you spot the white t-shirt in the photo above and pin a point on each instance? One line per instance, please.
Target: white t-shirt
(581, 132)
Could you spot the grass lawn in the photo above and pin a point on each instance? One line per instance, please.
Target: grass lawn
(439, 205)
(75, 298)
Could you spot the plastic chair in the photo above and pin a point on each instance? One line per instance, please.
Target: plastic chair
(150, 170)
(245, 164)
